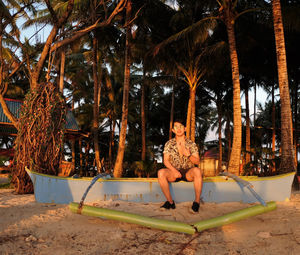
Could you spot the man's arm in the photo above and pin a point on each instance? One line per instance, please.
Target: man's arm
(168, 165)
(194, 158)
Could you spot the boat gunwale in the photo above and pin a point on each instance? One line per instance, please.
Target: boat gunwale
(205, 179)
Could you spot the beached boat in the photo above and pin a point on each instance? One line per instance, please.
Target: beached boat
(63, 190)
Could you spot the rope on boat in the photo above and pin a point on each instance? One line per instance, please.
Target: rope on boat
(245, 184)
(95, 179)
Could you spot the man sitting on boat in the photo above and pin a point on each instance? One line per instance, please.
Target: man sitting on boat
(180, 157)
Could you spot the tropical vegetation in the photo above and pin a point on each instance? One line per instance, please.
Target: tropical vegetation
(127, 68)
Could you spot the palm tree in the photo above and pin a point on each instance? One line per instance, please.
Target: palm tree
(287, 162)
(187, 49)
(97, 86)
(118, 168)
(227, 12)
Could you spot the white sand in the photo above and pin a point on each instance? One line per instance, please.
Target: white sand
(27, 227)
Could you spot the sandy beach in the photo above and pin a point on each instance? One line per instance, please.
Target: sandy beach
(27, 227)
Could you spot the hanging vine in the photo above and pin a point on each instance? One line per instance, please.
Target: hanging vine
(39, 142)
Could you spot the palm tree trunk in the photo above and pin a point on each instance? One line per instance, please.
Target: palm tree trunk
(73, 152)
(172, 113)
(35, 74)
(228, 134)
(95, 127)
(143, 117)
(273, 169)
(62, 70)
(118, 169)
(219, 108)
(111, 142)
(295, 121)
(5, 108)
(193, 113)
(80, 157)
(287, 162)
(235, 155)
(188, 120)
(248, 148)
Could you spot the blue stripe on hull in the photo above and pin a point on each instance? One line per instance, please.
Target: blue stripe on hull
(52, 189)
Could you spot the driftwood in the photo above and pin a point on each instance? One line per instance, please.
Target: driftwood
(39, 142)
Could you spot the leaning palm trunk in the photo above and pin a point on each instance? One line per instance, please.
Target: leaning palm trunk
(235, 155)
(118, 169)
(287, 162)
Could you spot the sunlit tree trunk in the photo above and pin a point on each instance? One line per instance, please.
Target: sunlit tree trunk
(62, 70)
(95, 126)
(143, 117)
(188, 119)
(172, 113)
(62, 67)
(193, 113)
(58, 23)
(111, 97)
(3, 85)
(287, 162)
(73, 142)
(235, 155)
(118, 168)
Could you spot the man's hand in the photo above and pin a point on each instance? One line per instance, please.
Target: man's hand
(183, 150)
(177, 174)
(167, 163)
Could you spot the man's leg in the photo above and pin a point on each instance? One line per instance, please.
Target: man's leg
(164, 177)
(195, 175)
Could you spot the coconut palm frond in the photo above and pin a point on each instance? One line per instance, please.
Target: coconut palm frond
(202, 26)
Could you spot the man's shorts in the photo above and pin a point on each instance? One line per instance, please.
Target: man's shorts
(183, 175)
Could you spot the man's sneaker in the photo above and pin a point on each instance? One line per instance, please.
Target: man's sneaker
(167, 205)
(195, 207)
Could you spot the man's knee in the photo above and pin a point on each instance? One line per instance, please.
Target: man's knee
(161, 173)
(197, 172)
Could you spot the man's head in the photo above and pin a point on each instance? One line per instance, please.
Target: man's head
(178, 127)
(181, 121)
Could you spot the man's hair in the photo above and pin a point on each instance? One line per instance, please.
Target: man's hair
(181, 121)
